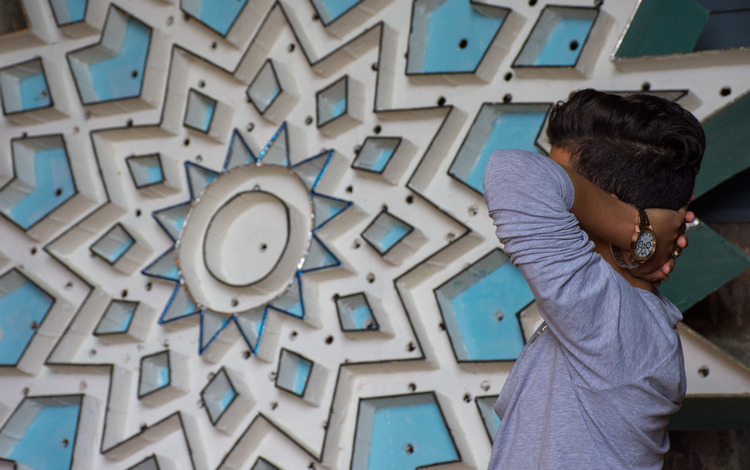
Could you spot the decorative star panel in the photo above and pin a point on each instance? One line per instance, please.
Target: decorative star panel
(250, 234)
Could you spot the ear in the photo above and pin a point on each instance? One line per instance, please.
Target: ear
(614, 196)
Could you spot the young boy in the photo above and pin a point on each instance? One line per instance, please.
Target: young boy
(595, 385)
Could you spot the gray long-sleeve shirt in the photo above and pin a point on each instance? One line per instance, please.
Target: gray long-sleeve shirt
(595, 386)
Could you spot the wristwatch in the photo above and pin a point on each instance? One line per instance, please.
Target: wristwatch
(642, 246)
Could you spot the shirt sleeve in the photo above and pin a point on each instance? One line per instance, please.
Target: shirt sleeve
(580, 297)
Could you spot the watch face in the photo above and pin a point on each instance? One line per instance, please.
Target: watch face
(645, 245)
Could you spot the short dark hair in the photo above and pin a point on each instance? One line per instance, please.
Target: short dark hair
(645, 149)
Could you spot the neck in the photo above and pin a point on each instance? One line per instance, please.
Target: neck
(602, 248)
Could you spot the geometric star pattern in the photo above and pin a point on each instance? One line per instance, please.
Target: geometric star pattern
(185, 189)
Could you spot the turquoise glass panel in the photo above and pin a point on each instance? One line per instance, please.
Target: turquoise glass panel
(402, 432)
(200, 111)
(179, 306)
(265, 88)
(294, 372)
(318, 257)
(24, 87)
(51, 186)
(451, 36)
(48, 440)
(198, 178)
(355, 313)
(172, 219)
(496, 127)
(154, 373)
(218, 15)
(114, 244)
(332, 102)
(557, 50)
(164, 267)
(69, 11)
(489, 417)
(34, 92)
(479, 307)
(376, 153)
(117, 317)
(385, 232)
(218, 395)
(291, 300)
(121, 76)
(145, 170)
(22, 304)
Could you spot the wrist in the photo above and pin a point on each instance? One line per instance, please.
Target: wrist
(642, 244)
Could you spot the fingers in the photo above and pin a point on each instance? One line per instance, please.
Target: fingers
(689, 217)
(668, 267)
(682, 242)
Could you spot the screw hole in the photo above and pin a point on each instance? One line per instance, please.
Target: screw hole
(409, 199)
(263, 247)
(467, 397)
(235, 302)
(134, 74)
(124, 293)
(137, 212)
(412, 387)
(33, 250)
(645, 86)
(463, 43)
(290, 48)
(410, 346)
(573, 45)
(356, 244)
(202, 84)
(329, 340)
(703, 371)
(370, 278)
(441, 101)
(377, 129)
(58, 192)
(186, 142)
(726, 91)
(350, 189)
(308, 120)
(409, 448)
(508, 76)
(507, 98)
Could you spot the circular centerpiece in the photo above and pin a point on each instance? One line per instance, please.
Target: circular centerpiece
(241, 248)
(244, 237)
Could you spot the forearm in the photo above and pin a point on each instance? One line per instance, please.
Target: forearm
(600, 214)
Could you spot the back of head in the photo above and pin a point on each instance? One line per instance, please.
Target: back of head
(644, 149)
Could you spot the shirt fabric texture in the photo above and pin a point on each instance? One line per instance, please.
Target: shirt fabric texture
(594, 387)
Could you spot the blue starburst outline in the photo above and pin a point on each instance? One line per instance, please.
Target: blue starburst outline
(180, 305)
